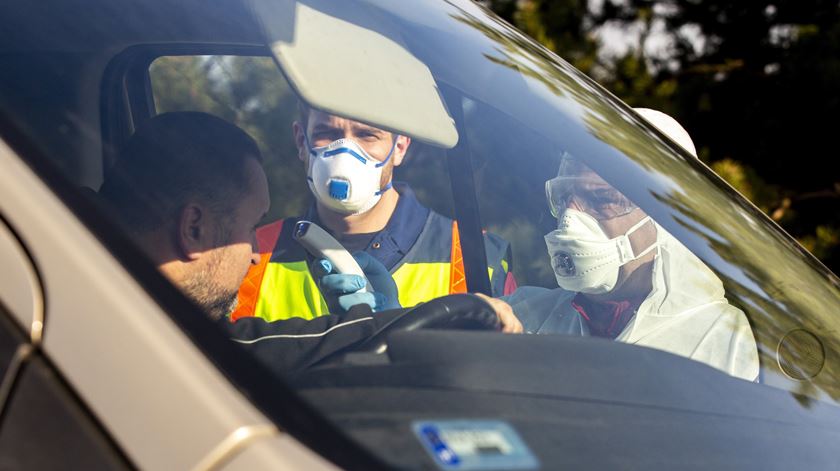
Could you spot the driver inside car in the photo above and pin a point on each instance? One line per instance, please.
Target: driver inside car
(622, 276)
(190, 190)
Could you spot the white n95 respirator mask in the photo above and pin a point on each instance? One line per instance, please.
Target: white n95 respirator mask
(344, 177)
(584, 259)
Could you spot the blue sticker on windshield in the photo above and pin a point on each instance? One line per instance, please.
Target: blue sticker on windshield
(474, 445)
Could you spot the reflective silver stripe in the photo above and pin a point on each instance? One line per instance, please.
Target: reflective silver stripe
(233, 444)
(303, 336)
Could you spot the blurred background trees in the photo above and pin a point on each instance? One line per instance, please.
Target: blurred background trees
(757, 85)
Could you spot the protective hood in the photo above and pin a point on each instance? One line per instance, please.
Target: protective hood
(687, 314)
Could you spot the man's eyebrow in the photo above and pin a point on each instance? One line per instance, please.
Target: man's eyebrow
(322, 127)
(364, 127)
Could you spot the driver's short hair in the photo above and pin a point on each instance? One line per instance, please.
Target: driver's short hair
(175, 158)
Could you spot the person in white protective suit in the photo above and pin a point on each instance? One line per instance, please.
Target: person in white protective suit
(622, 276)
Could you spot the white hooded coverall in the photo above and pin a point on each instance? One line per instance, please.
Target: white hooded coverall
(685, 313)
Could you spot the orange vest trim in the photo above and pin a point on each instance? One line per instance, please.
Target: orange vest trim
(457, 276)
(249, 291)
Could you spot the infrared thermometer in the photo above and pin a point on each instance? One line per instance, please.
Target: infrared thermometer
(321, 244)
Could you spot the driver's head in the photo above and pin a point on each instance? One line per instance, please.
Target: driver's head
(602, 236)
(349, 164)
(190, 188)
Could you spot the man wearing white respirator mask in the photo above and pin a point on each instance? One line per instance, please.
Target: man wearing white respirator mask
(349, 170)
(622, 276)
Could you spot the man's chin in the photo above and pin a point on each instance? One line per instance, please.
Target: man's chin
(221, 307)
(232, 305)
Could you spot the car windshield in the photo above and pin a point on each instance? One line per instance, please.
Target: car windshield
(523, 180)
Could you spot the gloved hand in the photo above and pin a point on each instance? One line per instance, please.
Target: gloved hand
(341, 291)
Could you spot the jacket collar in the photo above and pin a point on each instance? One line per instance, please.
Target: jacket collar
(402, 229)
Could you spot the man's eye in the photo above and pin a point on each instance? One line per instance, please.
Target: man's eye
(326, 136)
(367, 135)
(599, 199)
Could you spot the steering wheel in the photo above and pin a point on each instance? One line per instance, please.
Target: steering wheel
(457, 311)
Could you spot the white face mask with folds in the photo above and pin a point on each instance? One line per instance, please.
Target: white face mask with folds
(584, 259)
(344, 177)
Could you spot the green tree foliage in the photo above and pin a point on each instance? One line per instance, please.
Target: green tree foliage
(559, 26)
(755, 83)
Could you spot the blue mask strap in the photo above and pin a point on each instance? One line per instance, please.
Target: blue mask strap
(306, 142)
(394, 146)
(311, 153)
(389, 185)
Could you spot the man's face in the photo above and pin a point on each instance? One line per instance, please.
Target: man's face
(587, 192)
(323, 128)
(215, 282)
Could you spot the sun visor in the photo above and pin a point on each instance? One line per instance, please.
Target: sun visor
(340, 57)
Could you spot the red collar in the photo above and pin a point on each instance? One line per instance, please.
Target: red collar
(605, 319)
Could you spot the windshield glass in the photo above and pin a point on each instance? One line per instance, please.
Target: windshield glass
(591, 228)
(560, 168)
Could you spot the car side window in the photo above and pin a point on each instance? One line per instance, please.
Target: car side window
(10, 339)
(44, 426)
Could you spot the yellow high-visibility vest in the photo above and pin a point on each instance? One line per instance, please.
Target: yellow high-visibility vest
(281, 286)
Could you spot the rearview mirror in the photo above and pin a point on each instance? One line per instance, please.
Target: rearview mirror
(340, 57)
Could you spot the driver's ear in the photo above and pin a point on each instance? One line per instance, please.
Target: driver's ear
(194, 232)
(400, 148)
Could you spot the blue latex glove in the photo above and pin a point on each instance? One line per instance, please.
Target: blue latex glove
(341, 291)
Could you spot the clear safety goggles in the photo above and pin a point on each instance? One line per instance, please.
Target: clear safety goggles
(577, 186)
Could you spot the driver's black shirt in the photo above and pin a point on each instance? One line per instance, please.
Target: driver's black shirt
(291, 345)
